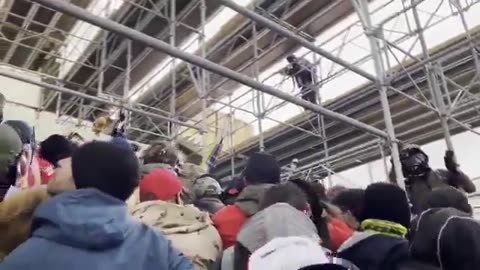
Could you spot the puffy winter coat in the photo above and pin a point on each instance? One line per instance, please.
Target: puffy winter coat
(88, 229)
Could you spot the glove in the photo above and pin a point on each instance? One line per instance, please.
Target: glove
(450, 161)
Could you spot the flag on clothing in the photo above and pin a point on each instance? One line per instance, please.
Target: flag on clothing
(212, 159)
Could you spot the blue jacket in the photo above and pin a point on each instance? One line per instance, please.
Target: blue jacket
(89, 230)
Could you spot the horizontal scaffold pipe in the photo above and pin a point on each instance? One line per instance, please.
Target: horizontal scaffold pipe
(164, 47)
(24, 78)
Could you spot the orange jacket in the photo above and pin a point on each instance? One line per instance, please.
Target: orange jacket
(228, 221)
(339, 232)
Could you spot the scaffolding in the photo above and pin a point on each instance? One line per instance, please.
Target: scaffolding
(408, 92)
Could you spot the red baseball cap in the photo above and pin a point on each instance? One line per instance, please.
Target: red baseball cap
(164, 184)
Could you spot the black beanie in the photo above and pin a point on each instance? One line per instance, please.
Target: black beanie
(387, 202)
(262, 168)
(106, 167)
(55, 148)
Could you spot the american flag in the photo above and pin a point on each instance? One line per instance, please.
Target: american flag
(212, 159)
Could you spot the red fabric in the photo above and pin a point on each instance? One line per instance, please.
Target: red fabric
(163, 183)
(47, 171)
(228, 221)
(339, 232)
(41, 167)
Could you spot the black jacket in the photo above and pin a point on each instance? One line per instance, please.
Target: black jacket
(373, 251)
(454, 232)
(210, 205)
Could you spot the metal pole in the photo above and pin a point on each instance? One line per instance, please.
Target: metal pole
(20, 77)
(230, 127)
(293, 36)
(432, 82)
(201, 62)
(362, 9)
(173, 96)
(259, 98)
(203, 84)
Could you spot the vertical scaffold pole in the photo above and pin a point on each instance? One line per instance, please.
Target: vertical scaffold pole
(361, 7)
(432, 82)
(203, 84)
(173, 97)
(259, 95)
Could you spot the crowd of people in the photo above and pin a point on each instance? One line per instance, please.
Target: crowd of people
(100, 205)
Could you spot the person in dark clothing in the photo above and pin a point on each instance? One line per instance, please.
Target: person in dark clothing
(447, 239)
(303, 73)
(317, 208)
(421, 179)
(261, 172)
(350, 201)
(381, 243)
(91, 228)
(207, 192)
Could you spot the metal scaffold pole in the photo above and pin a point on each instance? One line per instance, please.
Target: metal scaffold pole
(361, 7)
(173, 96)
(23, 78)
(259, 97)
(203, 84)
(211, 66)
(432, 82)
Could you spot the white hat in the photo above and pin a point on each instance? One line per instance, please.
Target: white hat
(288, 253)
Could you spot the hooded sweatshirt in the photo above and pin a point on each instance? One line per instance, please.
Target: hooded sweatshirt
(230, 219)
(446, 238)
(190, 230)
(88, 229)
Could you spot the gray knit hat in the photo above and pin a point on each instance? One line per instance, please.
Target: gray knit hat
(278, 220)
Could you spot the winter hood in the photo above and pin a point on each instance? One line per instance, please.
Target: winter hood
(249, 199)
(78, 219)
(437, 234)
(172, 218)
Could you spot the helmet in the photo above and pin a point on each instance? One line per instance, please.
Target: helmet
(24, 130)
(414, 161)
(206, 186)
(10, 150)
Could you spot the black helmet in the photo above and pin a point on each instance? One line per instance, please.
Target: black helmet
(24, 130)
(414, 161)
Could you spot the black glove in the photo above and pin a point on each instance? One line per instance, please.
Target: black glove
(450, 161)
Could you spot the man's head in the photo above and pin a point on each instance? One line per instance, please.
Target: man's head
(161, 185)
(262, 168)
(11, 150)
(106, 167)
(161, 152)
(350, 201)
(414, 161)
(206, 186)
(286, 193)
(388, 202)
(55, 148)
(291, 59)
